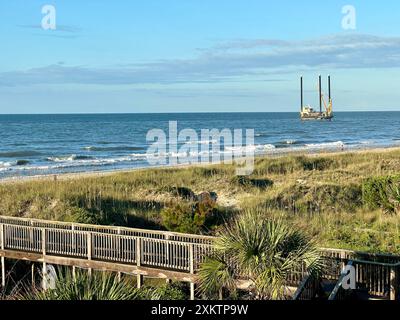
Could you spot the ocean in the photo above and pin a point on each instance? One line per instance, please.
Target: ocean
(53, 144)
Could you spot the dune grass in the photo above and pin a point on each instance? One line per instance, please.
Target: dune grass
(322, 193)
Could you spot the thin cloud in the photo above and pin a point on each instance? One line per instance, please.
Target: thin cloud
(59, 28)
(229, 62)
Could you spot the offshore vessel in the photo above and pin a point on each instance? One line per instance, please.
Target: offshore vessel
(308, 113)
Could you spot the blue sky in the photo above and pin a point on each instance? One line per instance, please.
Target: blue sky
(196, 55)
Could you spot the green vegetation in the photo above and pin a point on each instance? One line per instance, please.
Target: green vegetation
(99, 286)
(187, 217)
(266, 251)
(383, 193)
(345, 200)
(104, 286)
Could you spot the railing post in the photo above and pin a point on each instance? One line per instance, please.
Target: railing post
(167, 248)
(3, 260)
(139, 277)
(191, 268)
(73, 235)
(342, 258)
(119, 251)
(191, 258)
(31, 238)
(89, 250)
(43, 231)
(33, 275)
(44, 266)
(2, 240)
(394, 286)
(138, 252)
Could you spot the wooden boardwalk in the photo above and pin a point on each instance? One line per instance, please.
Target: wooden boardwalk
(155, 254)
(146, 253)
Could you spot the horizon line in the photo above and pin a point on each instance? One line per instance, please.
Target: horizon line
(194, 112)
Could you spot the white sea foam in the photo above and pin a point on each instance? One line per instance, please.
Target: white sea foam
(62, 159)
(325, 145)
(251, 148)
(202, 142)
(367, 142)
(5, 164)
(74, 161)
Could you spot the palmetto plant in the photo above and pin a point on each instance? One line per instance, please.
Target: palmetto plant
(99, 286)
(263, 250)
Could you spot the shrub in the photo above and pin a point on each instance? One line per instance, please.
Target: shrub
(188, 217)
(249, 182)
(173, 291)
(383, 193)
(208, 172)
(182, 192)
(310, 164)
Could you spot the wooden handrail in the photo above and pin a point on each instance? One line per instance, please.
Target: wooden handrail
(374, 263)
(352, 255)
(184, 237)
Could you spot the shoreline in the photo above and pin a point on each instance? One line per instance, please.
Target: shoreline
(102, 173)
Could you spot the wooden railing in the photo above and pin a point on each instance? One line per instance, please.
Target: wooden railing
(379, 279)
(347, 255)
(174, 251)
(375, 278)
(152, 252)
(163, 235)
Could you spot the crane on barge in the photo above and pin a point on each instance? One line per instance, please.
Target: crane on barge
(308, 113)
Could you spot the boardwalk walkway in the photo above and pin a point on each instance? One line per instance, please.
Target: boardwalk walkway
(134, 251)
(154, 254)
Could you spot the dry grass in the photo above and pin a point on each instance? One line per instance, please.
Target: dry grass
(319, 192)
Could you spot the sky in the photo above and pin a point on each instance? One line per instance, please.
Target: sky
(131, 56)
